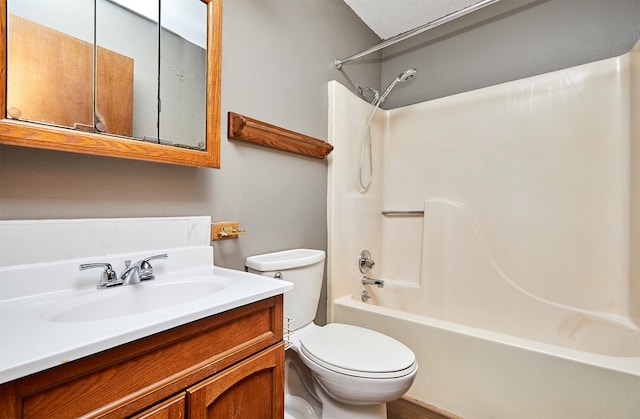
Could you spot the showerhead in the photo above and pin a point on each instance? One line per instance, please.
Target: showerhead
(404, 76)
(407, 75)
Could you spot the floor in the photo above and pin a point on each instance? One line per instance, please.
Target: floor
(402, 409)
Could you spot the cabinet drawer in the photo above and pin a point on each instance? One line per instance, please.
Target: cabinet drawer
(126, 379)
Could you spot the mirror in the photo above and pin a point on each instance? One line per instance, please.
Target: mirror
(117, 85)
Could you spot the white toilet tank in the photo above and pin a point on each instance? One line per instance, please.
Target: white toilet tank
(305, 269)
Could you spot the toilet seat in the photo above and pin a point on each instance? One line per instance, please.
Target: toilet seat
(358, 352)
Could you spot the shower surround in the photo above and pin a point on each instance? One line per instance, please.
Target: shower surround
(519, 286)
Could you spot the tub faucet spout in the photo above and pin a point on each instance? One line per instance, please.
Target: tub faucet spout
(371, 281)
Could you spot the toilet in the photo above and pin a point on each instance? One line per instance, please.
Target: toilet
(337, 371)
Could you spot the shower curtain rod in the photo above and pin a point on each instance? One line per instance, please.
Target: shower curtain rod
(416, 31)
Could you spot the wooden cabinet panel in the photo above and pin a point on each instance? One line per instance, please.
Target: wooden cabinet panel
(251, 389)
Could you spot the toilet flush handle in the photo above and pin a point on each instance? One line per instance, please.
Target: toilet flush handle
(277, 275)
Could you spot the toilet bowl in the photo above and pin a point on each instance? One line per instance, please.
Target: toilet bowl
(338, 370)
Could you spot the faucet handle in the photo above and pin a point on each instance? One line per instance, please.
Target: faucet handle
(146, 270)
(365, 262)
(108, 277)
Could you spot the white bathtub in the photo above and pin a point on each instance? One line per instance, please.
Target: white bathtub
(477, 373)
(505, 223)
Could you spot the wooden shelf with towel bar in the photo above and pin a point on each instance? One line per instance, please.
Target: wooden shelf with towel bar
(243, 128)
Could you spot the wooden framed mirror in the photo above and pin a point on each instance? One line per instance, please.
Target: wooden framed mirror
(110, 124)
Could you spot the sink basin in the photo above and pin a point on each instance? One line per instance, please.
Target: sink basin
(128, 300)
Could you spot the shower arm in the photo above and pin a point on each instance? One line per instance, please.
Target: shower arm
(420, 29)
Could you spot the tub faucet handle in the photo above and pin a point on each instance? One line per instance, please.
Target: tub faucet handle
(365, 262)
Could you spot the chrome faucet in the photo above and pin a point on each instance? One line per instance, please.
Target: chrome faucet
(133, 274)
(371, 281)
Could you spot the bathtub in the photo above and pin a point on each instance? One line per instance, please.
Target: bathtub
(478, 373)
(505, 223)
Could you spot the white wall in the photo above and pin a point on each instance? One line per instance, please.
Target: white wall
(354, 217)
(543, 165)
(539, 171)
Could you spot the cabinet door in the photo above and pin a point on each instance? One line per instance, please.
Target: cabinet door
(173, 408)
(254, 389)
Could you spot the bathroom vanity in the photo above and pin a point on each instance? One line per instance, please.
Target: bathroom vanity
(223, 366)
(192, 340)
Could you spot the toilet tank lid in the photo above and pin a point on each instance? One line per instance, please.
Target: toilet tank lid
(286, 259)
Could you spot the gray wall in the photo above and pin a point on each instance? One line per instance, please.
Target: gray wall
(509, 40)
(277, 60)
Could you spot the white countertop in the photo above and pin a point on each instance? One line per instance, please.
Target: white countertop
(30, 343)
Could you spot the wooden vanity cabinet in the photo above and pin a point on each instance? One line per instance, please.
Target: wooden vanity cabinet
(230, 365)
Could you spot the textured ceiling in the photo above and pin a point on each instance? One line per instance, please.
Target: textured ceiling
(388, 18)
